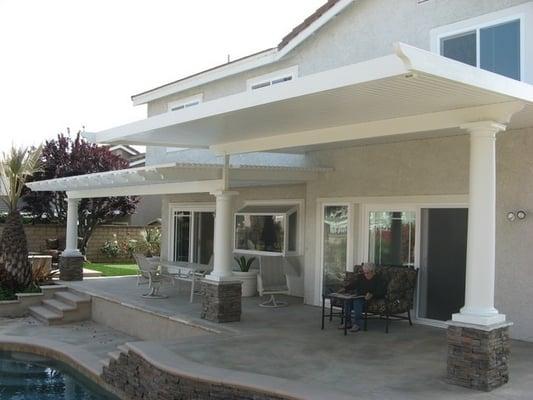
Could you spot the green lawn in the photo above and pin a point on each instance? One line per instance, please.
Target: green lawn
(113, 269)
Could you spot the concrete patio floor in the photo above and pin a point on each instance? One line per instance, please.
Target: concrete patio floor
(408, 363)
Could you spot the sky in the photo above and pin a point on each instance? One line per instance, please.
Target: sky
(74, 64)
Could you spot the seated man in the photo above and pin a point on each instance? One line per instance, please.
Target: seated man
(368, 285)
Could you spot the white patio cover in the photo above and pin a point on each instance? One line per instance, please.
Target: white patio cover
(174, 178)
(407, 92)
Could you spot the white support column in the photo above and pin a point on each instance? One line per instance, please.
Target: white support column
(223, 246)
(480, 260)
(71, 248)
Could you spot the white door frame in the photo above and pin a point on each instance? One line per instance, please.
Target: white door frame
(320, 247)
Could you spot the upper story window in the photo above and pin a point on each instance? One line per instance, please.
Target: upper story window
(185, 103)
(272, 79)
(495, 42)
(495, 48)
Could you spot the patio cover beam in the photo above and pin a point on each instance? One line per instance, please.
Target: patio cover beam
(152, 189)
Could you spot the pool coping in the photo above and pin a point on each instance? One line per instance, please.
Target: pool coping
(172, 363)
(82, 361)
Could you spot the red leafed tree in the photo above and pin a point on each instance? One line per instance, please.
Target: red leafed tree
(66, 156)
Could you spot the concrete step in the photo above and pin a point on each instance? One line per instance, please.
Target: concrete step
(46, 315)
(49, 290)
(58, 306)
(74, 299)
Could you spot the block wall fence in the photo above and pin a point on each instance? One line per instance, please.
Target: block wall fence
(37, 235)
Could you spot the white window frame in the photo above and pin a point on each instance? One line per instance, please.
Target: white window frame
(299, 207)
(269, 78)
(486, 21)
(185, 103)
(192, 208)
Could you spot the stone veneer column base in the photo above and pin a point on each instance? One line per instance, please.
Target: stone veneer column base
(71, 268)
(478, 357)
(221, 301)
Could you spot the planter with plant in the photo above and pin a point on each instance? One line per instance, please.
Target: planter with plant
(246, 276)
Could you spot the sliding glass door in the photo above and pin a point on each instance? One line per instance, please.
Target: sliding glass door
(192, 234)
(335, 246)
(442, 263)
(391, 237)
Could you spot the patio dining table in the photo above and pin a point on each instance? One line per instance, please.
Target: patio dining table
(183, 271)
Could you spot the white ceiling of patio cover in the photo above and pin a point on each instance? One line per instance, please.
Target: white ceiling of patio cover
(379, 89)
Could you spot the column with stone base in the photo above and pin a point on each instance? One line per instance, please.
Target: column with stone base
(478, 356)
(71, 260)
(221, 292)
(478, 336)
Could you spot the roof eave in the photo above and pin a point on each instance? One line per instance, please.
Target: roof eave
(247, 63)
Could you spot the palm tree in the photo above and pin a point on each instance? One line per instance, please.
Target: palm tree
(15, 169)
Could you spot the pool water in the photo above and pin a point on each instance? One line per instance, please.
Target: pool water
(29, 377)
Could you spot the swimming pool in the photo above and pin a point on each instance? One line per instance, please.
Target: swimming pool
(29, 377)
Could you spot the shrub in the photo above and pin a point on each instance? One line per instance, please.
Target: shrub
(7, 294)
(111, 248)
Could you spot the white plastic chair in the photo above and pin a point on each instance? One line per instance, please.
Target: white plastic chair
(150, 272)
(272, 280)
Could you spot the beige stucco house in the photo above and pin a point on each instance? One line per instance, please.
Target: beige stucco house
(396, 134)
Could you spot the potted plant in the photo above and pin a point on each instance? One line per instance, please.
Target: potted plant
(247, 277)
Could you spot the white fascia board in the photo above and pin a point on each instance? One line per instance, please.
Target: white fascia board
(259, 60)
(375, 69)
(421, 61)
(146, 190)
(234, 68)
(501, 113)
(315, 26)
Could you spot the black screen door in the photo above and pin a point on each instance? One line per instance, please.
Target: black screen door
(443, 262)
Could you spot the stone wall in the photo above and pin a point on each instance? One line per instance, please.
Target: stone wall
(37, 235)
(478, 359)
(139, 379)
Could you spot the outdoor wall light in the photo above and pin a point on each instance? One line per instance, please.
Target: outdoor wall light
(513, 215)
(521, 214)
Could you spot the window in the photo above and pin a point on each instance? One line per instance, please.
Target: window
(185, 103)
(494, 47)
(267, 229)
(272, 79)
(192, 234)
(392, 238)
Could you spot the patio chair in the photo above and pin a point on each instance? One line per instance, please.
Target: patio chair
(272, 280)
(198, 275)
(151, 273)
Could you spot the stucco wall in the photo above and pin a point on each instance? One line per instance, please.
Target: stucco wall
(514, 240)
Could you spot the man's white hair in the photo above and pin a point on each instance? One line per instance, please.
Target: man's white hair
(369, 267)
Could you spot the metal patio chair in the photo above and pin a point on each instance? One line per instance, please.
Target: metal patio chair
(272, 280)
(150, 272)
